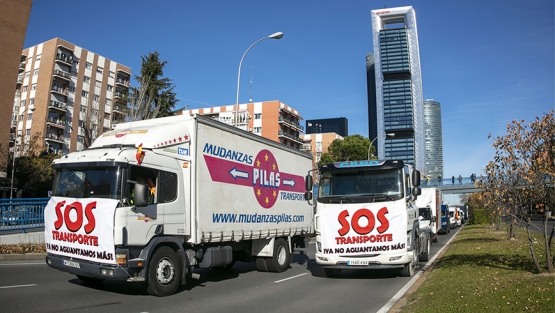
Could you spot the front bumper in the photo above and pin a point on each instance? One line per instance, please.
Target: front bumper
(88, 269)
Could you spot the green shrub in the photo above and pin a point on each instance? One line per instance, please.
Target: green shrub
(480, 217)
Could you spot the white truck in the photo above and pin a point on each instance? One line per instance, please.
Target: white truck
(151, 200)
(366, 217)
(429, 206)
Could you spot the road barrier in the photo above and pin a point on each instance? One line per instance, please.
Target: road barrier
(22, 214)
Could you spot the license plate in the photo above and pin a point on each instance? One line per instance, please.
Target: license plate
(71, 263)
(357, 262)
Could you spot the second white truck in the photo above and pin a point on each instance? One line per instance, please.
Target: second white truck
(366, 217)
(429, 206)
(151, 200)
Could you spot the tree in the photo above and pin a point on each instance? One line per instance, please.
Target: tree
(155, 96)
(520, 179)
(351, 148)
(33, 170)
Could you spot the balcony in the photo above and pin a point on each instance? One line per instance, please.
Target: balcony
(294, 138)
(121, 81)
(61, 74)
(58, 123)
(60, 90)
(22, 67)
(291, 123)
(64, 59)
(120, 109)
(60, 106)
(56, 138)
(19, 79)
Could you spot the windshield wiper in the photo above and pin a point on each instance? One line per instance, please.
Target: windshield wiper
(375, 195)
(338, 197)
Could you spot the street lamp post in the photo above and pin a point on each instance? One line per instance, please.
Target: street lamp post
(15, 146)
(372, 142)
(277, 35)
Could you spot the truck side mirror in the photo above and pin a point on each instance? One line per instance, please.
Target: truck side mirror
(140, 195)
(308, 196)
(308, 182)
(416, 191)
(416, 177)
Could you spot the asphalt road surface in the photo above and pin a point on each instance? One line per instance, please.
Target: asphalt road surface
(32, 286)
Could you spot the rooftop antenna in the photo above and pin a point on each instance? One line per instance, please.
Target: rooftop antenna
(250, 99)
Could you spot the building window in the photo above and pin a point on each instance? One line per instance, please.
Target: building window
(80, 139)
(111, 74)
(87, 79)
(108, 101)
(257, 130)
(83, 109)
(71, 89)
(23, 102)
(27, 74)
(88, 65)
(36, 72)
(29, 116)
(28, 132)
(25, 88)
(257, 116)
(81, 123)
(37, 57)
(85, 93)
(96, 97)
(34, 87)
(110, 88)
(99, 69)
(31, 101)
(98, 83)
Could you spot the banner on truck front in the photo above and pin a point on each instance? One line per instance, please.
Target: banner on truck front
(81, 228)
(352, 229)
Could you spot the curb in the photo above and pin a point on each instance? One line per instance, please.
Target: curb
(398, 307)
(20, 257)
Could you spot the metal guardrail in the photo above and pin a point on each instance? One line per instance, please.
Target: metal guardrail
(22, 213)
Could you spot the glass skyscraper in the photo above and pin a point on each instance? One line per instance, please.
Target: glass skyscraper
(397, 117)
(433, 138)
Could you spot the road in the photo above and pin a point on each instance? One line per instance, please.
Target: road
(32, 286)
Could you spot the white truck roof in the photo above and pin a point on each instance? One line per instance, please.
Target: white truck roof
(154, 133)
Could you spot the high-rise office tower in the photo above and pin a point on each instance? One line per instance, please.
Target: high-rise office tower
(399, 115)
(66, 96)
(433, 138)
(338, 125)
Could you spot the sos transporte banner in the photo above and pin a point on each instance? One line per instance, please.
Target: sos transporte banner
(81, 228)
(369, 229)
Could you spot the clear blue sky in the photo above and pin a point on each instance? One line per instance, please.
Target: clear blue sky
(487, 62)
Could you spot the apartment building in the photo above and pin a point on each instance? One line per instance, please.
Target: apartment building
(270, 119)
(317, 144)
(66, 96)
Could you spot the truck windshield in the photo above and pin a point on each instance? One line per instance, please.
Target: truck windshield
(87, 183)
(382, 184)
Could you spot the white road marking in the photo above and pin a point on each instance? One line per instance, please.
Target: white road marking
(17, 286)
(12, 264)
(279, 281)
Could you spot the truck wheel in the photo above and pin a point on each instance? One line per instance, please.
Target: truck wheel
(261, 264)
(281, 259)
(90, 280)
(164, 272)
(424, 256)
(332, 272)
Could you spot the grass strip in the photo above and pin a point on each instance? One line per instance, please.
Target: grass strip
(483, 271)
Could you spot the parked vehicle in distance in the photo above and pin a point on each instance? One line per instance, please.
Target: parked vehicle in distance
(445, 220)
(429, 207)
(452, 217)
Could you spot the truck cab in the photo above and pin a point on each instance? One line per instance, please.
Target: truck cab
(366, 217)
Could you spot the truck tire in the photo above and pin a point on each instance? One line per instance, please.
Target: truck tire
(282, 256)
(261, 264)
(426, 254)
(90, 280)
(332, 272)
(164, 272)
(409, 269)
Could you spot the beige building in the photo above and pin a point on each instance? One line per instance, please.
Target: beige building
(270, 119)
(66, 95)
(14, 17)
(317, 144)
